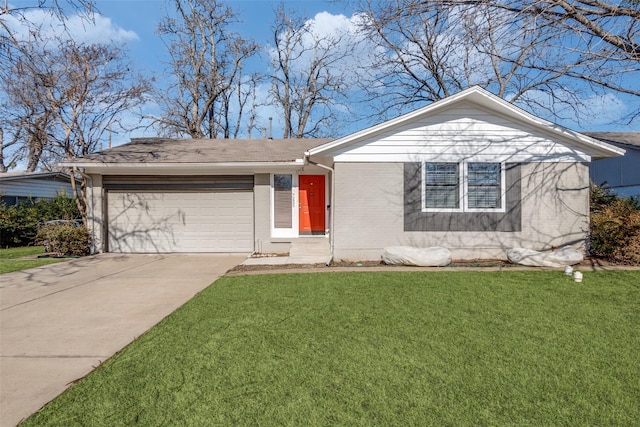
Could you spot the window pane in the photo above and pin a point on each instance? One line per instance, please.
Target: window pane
(442, 185)
(484, 197)
(442, 173)
(441, 197)
(282, 191)
(484, 173)
(483, 180)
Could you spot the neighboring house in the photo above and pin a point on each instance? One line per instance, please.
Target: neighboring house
(16, 187)
(471, 172)
(621, 174)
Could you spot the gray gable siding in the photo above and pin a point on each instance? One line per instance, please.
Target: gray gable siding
(416, 220)
(622, 174)
(35, 188)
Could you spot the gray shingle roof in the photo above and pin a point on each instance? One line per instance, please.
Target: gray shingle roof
(172, 150)
(629, 138)
(7, 176)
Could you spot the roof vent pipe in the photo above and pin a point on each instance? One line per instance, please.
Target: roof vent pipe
(264, 133)
(270, 127)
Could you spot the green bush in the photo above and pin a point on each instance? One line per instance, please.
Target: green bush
(19, 223)
(64, 239)
(615, 226)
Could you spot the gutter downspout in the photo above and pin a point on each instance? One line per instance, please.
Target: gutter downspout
(332, 206)
(92, 250)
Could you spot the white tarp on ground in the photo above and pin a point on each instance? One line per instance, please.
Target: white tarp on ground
(559, 258)
(435, 256)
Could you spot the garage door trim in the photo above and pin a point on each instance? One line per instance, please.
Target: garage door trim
(173, 184)
(178, 183)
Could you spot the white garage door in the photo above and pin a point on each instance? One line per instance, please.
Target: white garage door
(160, 222)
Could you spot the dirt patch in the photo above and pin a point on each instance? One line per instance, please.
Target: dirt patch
(589, 264)
(241, 269)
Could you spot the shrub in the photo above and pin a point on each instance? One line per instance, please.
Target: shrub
(19, 223)
(64, 239)
(62, 207)
(600, 196)
(615, 227)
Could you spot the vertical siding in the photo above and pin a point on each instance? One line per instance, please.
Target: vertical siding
(369, 213)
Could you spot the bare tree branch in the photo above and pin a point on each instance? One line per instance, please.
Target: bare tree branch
(519, 50)
(307, 80)
(64, 98)
(206, 61)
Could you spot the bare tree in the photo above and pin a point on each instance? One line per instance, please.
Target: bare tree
(541, 54)
(25, 116)
(66, 97)
(4, 163)
(206, 63)
(236, 102)
(12, 15)
(18, 35)
(428, 51)
(615, 24)
(238, 99)
(308, 80)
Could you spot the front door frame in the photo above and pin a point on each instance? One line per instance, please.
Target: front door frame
(294, 231)
(315, 228)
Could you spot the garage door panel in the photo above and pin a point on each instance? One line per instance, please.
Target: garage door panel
(150, 222)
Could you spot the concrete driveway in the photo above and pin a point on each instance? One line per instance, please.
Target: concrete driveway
(59, 322)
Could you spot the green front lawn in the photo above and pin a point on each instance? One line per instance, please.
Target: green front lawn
(24, 251)
(450, 348)
(10, 259)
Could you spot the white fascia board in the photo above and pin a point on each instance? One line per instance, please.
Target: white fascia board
(182, 168)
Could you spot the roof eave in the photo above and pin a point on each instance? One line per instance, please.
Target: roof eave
(34, 175)
(103, 167)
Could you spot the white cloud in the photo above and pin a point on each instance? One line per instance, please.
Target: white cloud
(81, 28)
(100, 29)
(350, 51)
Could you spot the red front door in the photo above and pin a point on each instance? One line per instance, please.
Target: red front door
(312, 204)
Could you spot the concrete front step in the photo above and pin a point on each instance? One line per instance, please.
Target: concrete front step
(311, 250)
(310, 247)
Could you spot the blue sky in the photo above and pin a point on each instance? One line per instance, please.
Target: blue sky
(143, 16)
(148, 53)
(133, 23)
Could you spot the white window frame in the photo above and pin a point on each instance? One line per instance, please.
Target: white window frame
(294, 230)
(424, 190)
(463, 188)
